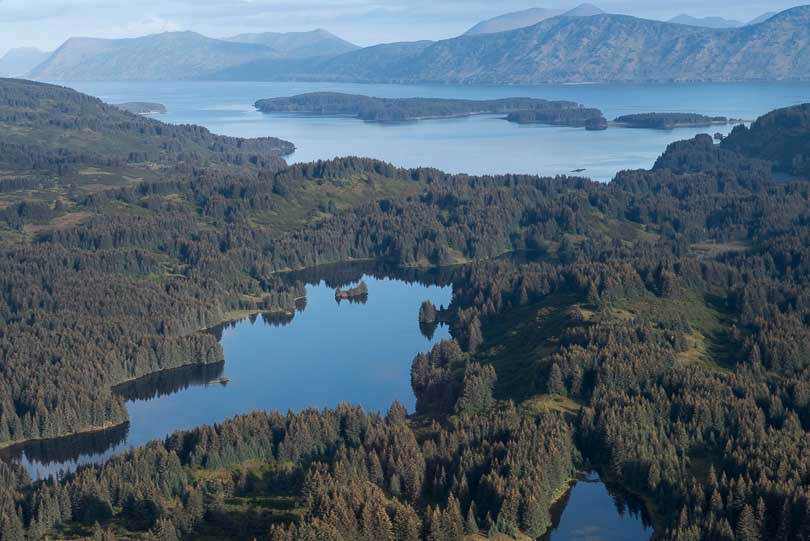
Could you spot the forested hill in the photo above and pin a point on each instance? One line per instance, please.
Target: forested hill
(661, 338)
(50, 129)
(779, 136)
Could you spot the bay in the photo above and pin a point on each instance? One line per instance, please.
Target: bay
(484, 144)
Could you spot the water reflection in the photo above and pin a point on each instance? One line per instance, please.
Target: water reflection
(169, 382)
(317, 355)
(593, 510)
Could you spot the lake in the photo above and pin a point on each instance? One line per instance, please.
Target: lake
(477, 145)
(324, 354)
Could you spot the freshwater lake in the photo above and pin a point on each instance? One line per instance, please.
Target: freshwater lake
(484, 144)
(326, 353)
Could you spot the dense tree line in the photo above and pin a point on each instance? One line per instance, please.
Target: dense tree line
(670, 309)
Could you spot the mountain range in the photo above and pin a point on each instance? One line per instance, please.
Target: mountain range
(179, 55)
(718, 22)
(560, 49)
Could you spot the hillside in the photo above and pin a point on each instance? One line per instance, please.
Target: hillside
(298, 44)
(780, 137)
(167, 56)
(54, 130)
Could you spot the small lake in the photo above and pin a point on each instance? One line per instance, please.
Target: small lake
(477, 145)
(328, 352)
(595, 511)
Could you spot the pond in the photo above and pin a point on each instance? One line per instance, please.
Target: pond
(595, 511)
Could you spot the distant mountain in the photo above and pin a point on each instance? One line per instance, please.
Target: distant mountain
(299, 44)
(762, 18)
(167, 56)
(21, 60)
(583, 10)
(511, 21)
(563, 49)
(528, 17)
(567, 49)
(706, 22)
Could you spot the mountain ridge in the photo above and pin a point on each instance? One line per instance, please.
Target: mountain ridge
(529, 17)
(563, 49)
(318, 42)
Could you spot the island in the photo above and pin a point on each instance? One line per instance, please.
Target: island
(142, 108)
(353, 293)
(373, 109)
(668, 121)
(579, 117)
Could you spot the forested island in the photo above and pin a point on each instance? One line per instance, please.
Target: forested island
(668, 121)
(580, 117)
(372, 109)
(353, 293)
(662, 338)
(142, 108)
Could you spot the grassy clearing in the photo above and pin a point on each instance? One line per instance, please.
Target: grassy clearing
(519, 342)
(709, 337)
(543, 403)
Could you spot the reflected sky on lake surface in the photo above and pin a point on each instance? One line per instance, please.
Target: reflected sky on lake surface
(324, 354)
(592, 511)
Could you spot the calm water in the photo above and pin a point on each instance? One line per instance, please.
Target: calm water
(476, 145)
(327, 353)
(594, 511)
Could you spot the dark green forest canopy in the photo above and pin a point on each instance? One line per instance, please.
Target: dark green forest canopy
(662, 338)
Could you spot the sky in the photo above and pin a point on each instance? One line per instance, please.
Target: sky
(46, 24)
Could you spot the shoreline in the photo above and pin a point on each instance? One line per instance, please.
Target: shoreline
(8, 445)
(228, 317)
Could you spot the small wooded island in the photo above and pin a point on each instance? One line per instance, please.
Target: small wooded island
(668, 121)
(371, 109)
(353, 293)
(578, 117)
(142, 108)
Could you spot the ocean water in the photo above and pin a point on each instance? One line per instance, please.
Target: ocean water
(484, 144)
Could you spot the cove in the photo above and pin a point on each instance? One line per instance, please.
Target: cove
(323, 354)
(593, 510)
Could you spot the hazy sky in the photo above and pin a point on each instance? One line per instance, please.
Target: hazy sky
(47, 23)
